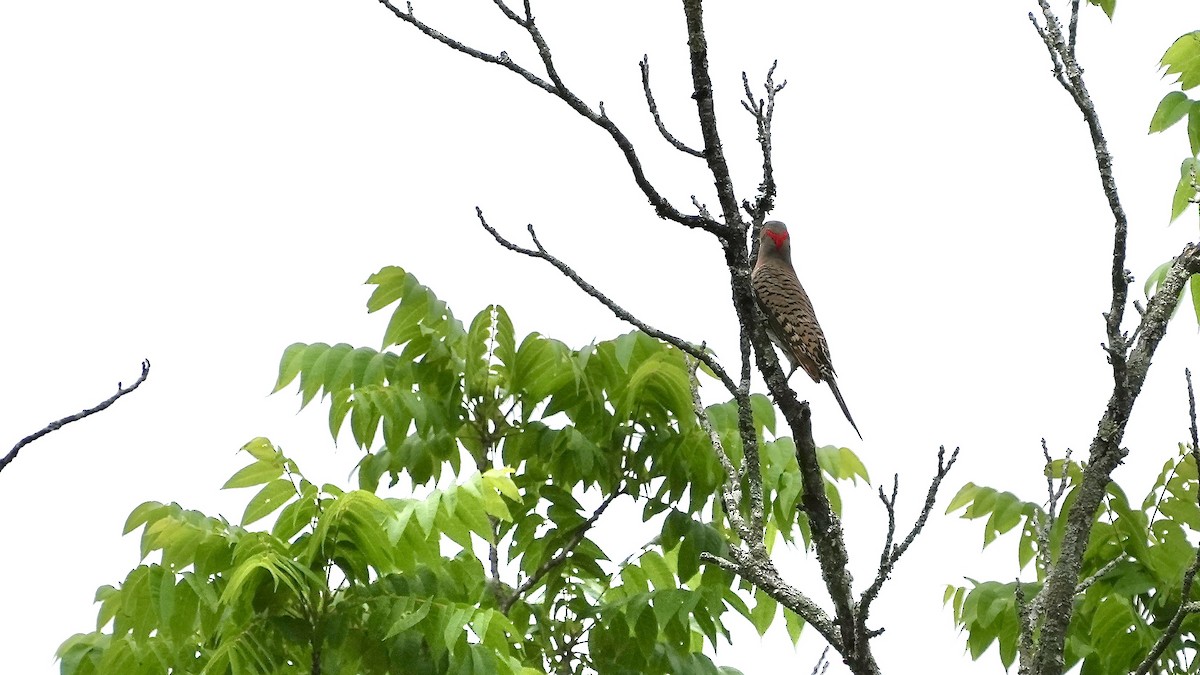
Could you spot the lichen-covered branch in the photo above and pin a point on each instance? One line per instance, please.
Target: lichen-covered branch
(1050, 612)
(1057, 596)
(762, 573)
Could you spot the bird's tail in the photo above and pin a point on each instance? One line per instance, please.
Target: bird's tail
(845, 411)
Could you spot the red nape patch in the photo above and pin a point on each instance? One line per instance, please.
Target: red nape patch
(777, 237)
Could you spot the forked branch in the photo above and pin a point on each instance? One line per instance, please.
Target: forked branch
(1045, 619)
(553, 84)
(892, 552)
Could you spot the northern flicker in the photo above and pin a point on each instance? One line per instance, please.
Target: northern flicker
(791, 322)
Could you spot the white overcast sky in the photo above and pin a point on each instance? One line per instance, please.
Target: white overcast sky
(202, 184)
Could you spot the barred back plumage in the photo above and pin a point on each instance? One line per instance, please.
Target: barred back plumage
(791, 322)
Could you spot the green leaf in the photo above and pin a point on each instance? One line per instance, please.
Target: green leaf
(624, 348)
(405, 323)
(794, 625)
(1170, 110)
(1155, 279)
(764, 611)
(273, 495)
(1183, 58)
(1193, 128)
(297, 515)
(764, 411)
(403, 617)
(390, 283)
(255, 474)
(1194, 286)
(140, 515)
(478, 346)
(501, 480)
(657, 570)
(538, 368)
(1109, 6)
(455, 625)
(261, 449)
(966, 495)
(427, 510)
(289, 365)
(1184, 190)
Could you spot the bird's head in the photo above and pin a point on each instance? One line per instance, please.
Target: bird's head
(774, 240)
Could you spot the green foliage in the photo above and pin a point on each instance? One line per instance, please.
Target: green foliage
(1118, 617)
(486, 564)
(1181, 59)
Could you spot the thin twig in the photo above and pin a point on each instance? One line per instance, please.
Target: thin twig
(892, 552)
(763, 112)
(581, 530)
(1072, 27)
(1099, 574)
(621, 313)
(1187, 373)
(1055, 487)
(822, 662)
(662, 128)
(512, 16)
(58, 424)
(702, 93)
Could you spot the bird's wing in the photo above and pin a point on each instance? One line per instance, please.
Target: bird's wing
(790, 315)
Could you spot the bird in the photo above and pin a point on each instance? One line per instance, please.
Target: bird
(791, 322)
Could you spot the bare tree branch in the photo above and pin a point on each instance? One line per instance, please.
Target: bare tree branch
(891, 553)
(1070, 75)
(662, 128)
(763, 112)
(702, 85)
(58, 424)
(1055, 487)
(1129, 366)
(555, 86)
(698, 353)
